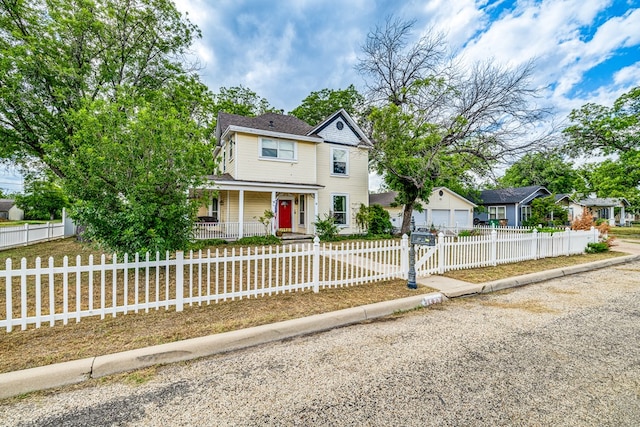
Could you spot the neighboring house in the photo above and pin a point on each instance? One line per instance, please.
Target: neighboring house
(445, 208)
(604, 208)
(279, 163)
(9, 210)
(509, 206)
(574, 209)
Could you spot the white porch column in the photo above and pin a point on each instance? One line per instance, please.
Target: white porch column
(315, 210)
(612, 217)
(240, 214)
(622, 217)
(273, 209)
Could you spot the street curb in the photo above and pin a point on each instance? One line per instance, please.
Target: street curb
(543, 276)
(60, 374)
(73, 372)
(43, 377)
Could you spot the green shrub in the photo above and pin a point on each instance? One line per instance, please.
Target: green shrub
(469, 233)
(594, 248)
(375, 219)
(201, 244)
(258, 241)
(327, 228)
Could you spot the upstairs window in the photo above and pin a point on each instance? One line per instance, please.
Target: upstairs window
(274, 149)
(231, 144)
(339, 161)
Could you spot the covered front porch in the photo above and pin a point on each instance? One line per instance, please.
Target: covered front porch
(240, 209)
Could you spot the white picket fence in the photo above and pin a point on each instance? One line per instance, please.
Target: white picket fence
(40, 293)
(29, 233)
(457, 253)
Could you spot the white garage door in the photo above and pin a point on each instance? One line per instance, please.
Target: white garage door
(420, 218)
(440, 217)
(461, 218)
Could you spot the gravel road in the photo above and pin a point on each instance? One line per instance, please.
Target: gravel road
(564, 352)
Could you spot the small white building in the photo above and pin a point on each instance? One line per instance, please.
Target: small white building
(9, 210)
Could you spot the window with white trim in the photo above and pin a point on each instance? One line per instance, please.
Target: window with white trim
(215, 209)
(525, 213)
(302, 208)
(231, 144)
(280, 150)
(339, 161)
(339, 204)
(497, 212)
(224, 160)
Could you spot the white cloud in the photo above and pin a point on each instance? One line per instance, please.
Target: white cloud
(627, 76)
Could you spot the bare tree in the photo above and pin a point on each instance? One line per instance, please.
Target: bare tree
(440, 120)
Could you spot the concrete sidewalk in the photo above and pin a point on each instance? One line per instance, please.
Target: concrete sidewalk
(60, 374)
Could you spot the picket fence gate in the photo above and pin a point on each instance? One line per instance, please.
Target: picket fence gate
(36, 294)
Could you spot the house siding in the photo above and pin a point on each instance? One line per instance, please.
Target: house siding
(355, 184)
(250, 167)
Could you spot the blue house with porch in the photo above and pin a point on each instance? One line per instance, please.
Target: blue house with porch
(508, 206)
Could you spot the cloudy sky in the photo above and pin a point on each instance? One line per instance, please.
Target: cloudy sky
(584, 50)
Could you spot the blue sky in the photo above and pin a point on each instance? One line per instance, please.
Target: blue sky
(584, 50)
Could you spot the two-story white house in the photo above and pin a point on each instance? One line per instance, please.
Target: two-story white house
(279, 163)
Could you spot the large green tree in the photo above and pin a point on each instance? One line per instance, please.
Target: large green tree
(321, 104)
(78, 81)
(608, 130)
(42, 199)
(240, 100)
(615, 131)
(434, 120)
(548, 169)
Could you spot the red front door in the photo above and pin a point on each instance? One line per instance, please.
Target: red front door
(284, 215)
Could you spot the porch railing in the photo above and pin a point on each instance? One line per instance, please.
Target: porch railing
(227, 230)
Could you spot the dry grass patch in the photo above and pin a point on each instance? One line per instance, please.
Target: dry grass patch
(92, 336)
(488, 274)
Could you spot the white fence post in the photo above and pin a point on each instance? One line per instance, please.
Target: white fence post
(494, 247)
(441, 254)
(534, 244)
(9, 299)
(316, 264)
(26, 234)
(404, 256)
(179, 280)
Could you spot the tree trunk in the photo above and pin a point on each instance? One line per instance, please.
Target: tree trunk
(406, 218)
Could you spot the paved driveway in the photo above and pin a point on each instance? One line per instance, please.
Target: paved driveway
(564, 352)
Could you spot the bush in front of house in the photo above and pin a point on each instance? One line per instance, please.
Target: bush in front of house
(259, 241)
(595, 248)
(327, 228)
(374, 219)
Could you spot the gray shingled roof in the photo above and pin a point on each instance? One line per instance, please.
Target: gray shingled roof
(6, 204)
(273, 122)
(383, 199)
(603, 202)
(509, 195)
